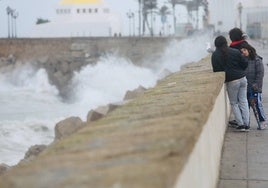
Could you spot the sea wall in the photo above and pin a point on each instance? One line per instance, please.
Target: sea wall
(83, 49)
(62, 56)
(171, 136)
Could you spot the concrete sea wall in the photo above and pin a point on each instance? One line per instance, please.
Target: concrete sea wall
(83, 49)
(171, 136)
(62, 56)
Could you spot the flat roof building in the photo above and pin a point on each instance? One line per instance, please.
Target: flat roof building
(81, 18)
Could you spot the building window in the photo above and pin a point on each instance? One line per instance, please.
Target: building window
(84, 10)
(96, 10)
(63, 11)
(89, 10)
(78, 11)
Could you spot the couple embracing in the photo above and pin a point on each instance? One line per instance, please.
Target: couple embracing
(244, 73)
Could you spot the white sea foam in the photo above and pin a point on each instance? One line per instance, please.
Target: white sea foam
(30, 106)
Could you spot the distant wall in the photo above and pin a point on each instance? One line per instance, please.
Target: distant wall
(62, 56)
(135, 48)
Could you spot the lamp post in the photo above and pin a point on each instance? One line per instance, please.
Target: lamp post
(12, 22)
(133, 16)
(140, 9)
(9, 10)
(240, 7)
(15, 15)
(130, 15)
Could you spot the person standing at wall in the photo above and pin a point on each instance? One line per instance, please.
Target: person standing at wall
(254, 75)
(237, 37)
(232, 62)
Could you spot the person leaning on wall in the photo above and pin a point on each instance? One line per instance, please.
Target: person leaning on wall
(238, 38)
(234, 64)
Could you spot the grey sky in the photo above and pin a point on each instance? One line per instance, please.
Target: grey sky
(30, 10)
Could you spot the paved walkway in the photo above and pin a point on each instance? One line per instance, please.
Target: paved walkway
(244, 161)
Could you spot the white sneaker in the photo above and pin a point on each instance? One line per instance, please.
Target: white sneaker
(263, 125)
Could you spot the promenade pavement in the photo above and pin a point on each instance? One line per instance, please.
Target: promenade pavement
(244, 162)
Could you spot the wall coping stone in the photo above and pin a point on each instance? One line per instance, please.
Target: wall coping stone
(143, 144)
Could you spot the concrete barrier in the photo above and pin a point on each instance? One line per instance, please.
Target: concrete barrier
(84, 49)
(203, 166)
(169, 137)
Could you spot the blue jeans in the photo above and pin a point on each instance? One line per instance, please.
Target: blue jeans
(258, 98)
(237, 93)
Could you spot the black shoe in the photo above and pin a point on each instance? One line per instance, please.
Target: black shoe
(241, 128)
(247, 128)
(233, 122)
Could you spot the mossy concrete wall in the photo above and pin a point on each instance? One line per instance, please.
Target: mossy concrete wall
(80, 49)
(169, 137)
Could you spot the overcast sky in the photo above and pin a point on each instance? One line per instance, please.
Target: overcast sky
(30, 10)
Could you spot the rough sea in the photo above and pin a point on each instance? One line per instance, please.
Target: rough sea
(31, 106)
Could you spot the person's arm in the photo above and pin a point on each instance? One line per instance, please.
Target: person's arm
(259, 70)
(216, 63)
(243, 62)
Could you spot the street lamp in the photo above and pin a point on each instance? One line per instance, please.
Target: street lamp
(130, 15)
(240, 7)
(15, 15)
(140, 9)
(9, 10)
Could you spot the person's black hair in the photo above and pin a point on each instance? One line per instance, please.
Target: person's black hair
(221, 43)
(251, 50)
(236, 34)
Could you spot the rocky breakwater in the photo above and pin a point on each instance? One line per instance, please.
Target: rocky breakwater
(144, 143)
(61, 57)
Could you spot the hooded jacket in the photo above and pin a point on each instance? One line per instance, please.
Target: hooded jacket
(234, 66)
(255, 73)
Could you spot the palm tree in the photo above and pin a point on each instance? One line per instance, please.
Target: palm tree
(148, 7)
(194, 6)
(163, 12)
(173, 4)
(140, 2)
(191, 5)
(205, 17)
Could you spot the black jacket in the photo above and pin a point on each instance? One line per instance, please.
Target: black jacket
(234, 66)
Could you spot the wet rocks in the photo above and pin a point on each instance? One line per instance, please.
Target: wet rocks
(32, 152)
(4, 168)
(134, 93)
(67, 127)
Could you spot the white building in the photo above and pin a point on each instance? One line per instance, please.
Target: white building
(81, 18)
